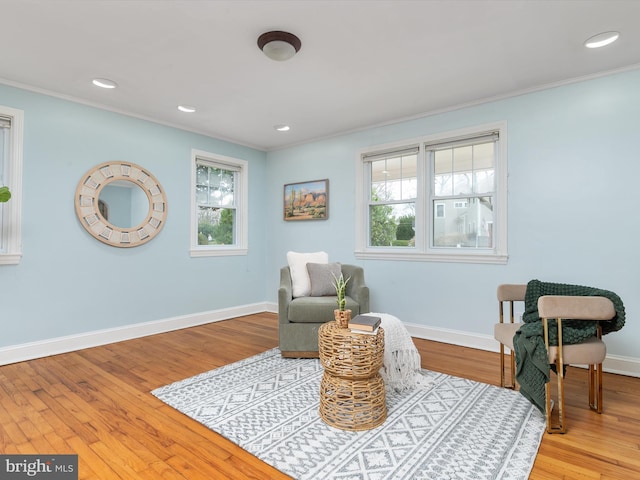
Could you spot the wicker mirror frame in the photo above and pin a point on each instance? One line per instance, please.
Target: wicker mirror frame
(88, 193)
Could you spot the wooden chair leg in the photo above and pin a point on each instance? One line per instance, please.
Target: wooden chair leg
(595, 387)
(560, 376)
(502, 379)
(512, 369)
(560, 427)
(595, 382)
(547, 397)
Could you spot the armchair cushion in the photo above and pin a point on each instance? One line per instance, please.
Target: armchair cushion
(317, 309)
(300, 283)
(322, 277)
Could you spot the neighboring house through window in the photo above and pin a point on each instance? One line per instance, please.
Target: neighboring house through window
(219, 205)
(11, 134)
(439, 198)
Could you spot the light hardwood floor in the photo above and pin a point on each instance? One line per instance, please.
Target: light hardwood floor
(96, 403)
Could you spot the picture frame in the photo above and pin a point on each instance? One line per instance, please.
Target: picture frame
(306, 201)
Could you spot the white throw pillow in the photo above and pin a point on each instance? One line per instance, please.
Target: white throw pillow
(301, 285)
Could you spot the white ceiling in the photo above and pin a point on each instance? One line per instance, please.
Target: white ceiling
(362, 62)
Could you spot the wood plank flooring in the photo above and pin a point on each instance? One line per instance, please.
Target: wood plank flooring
(96, 403)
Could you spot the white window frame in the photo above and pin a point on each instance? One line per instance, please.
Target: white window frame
(423, 251)
(11, 228)
(240, 247)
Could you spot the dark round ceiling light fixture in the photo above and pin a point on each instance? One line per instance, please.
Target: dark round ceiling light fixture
(278, 45)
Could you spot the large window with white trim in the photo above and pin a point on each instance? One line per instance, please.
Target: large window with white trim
(437, 198)
(11, 134)
(219, 205)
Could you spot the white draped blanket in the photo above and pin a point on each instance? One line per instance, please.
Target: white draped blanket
(401, 367)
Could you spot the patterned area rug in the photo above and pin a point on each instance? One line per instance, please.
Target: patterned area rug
(453, 429)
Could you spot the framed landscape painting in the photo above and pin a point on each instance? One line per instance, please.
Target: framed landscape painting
(306, 200)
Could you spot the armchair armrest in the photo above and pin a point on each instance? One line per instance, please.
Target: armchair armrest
(361, 296)
(285, 295)
(356, 288)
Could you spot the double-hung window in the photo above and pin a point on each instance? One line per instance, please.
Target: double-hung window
(219, 205)
(11, 133)
(439, 198)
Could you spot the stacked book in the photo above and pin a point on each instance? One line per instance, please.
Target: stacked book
(367, 324)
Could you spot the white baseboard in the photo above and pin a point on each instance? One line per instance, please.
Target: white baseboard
(54, 346)
(28, 351)
(629, 366)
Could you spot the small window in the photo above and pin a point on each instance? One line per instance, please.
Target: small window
(219, 199)
(11, 133)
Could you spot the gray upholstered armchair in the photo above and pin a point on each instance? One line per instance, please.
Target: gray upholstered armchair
(301, 317)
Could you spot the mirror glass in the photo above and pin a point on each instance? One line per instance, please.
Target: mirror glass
(123, 204)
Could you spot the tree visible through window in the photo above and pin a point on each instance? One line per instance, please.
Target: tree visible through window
(216, 205)
(11, 138)
(219, 222)
(393, 196)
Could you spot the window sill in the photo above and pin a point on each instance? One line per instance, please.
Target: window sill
(217, 252)
(486, 258)
(10, 258)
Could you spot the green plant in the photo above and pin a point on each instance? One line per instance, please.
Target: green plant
(404, 230)
(340, 284)
(383, 226)
(5, 194)
(202, 239)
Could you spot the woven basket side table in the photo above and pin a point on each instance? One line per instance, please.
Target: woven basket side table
(352, 393)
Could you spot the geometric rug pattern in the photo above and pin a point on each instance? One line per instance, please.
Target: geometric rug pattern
(453, 429)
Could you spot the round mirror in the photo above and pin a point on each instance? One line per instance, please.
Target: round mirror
(121, 204)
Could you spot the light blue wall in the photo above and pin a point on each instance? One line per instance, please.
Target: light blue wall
(573, 178)
(573, 174)
(68, 282)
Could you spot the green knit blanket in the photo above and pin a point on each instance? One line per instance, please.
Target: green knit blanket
(532, 359)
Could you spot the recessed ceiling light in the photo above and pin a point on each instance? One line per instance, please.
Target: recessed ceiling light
(186, 108)
(104, 83)
(282, 128)
(601, 39)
